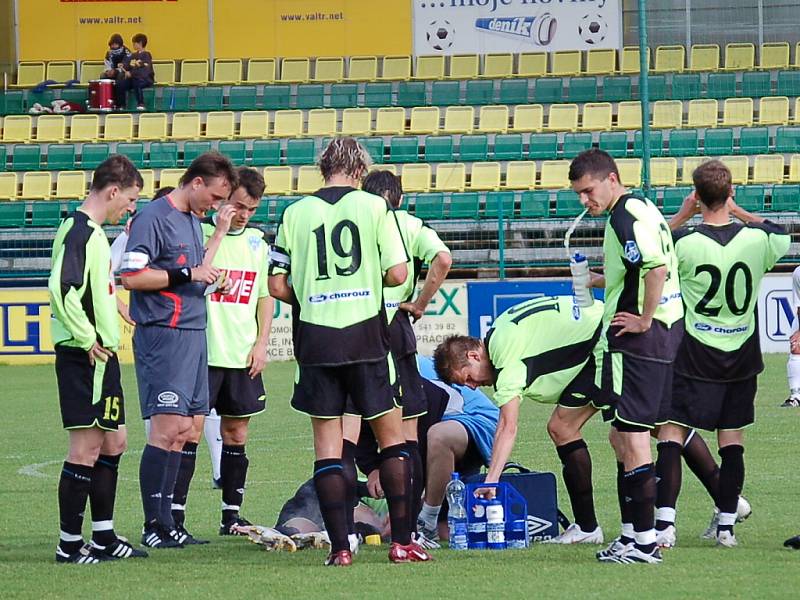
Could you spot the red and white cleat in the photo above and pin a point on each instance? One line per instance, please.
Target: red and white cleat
(412, 552)
(342, 558)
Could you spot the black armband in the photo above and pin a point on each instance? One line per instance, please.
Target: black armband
(178, 276)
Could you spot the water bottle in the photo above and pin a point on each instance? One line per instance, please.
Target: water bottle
(517, 536)
(457, 513)
(495, 525)
(476, 528)
(579, 267)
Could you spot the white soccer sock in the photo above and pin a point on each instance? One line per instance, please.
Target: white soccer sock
(429, 515)
(793, 372)
(214, 440)
(627, 530)
(645, 538)
(666, 514)
(727, 518)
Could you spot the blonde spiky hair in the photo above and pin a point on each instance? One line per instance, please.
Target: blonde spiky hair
(345, 156)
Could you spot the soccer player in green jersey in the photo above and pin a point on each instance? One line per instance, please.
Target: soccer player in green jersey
(86, 336)
(721, 264)
(540, 350)
(642, 328)
(341, 246)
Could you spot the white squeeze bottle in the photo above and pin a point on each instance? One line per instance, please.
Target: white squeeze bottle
(579, 267)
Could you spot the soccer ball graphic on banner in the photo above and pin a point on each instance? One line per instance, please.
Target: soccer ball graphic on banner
(593, 28)
(440, 34)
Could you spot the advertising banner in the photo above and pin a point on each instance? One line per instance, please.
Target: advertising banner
(497, 26)
(777, 315)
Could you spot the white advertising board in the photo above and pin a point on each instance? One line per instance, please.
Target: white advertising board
(777, 315)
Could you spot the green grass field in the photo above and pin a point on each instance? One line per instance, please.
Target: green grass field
(280, 450)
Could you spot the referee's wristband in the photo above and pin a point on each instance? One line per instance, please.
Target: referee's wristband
(178, 276)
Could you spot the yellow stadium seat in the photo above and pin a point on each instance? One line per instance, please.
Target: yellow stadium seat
(170, 177)
(670, 59)
(91, 69)
(797, 110)
(60, 71)
(424, 119)
(363, 68)
(774, 55)
(17, 128)
(261, 70)
(690, 163)
(194, 72)
(164, 72)
(149, 183)
(739, 167)
(704, 57)
(532, 64)
(702, 113)
(416, 178)
(663, 172)
(356, 121)
(228, 71)
(464, 66)
(562, 117)
(737, 112)
(254, 124)
(739, 57)
(629, 115)
(458, 119)
(37, 184)
(668, 114)
(794, 169)
(601, 61)
(383, 167)
(51, 128)
(70, 184)
(493, 119)
(8, 186)
(528, 117)
(450, 177)
(329, 69)
(30, 73)
(85, 128)
(118, 128)
(185, 126)
(278, 180)
(295, 70)
(629, 63)
(554, 174)
(390, 121)
(797, 56)
(768, 168)
(520, 175)
(773, 111)
(152, 126)
(288, 123)
(321, 121)
(485, 176)
(596, 116)
(309, 179)
(565, 63)
(396, 68)
(429, 67)
(498, 66)
(630, 171)
(220, 125)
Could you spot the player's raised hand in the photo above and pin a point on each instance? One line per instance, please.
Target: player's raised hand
(205, 274)
(257, 359)
(630, 323)
(224, 218)
(97, 352)
(411, 308)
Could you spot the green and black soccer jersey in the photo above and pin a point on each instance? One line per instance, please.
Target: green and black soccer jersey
(636, 240)
(81, 286)
(721, 267)
(539, 346)
(336, 245)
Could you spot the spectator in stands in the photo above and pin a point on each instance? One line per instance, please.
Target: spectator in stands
(139, 74)
(116, 59)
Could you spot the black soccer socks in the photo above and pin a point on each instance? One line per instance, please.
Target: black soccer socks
(640, 485)
(182, 482)
(577, 473)
(102, 494)
(351, 481)
(330, 485)
(417, 482)
(233, 472)
(152, 469)
(668, 472)
(731, 480)
(73, 490)
(625, 513)
(395, 476)
(699, 459)
(168, 489)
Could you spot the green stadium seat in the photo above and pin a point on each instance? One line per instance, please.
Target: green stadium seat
(77, 95)
(656, 143)
(575, 143)
(300, 152)
(617, 89)
(439, 148)
(26, 157)
(548, 90)
(508, 146)
(788, 83)
(60, 157)
(754, 140)
(718, 142)
(45, 97)
(514, 91)
(403, 149)
(497, 200)
(278, 208)
(45, 214)
(266, 153)
(685, 86)
(135, 152)
(192, 150)
(751, 197)
(377, 94)
(673, 199)
(786, 198)
(277, 97)
(657, 87)
(534, 205)
(429, 206)
(149, 95)
(445, 93)
(2, 157)
(93, 154)
(163, 155)
(721, 85)
(787, 140)
(582, 89)
(479, 92)
(411, 93)
(683, 142)
(12, 102)
(568, 204)
(756, 84)
(261, 215)
(473, 148)
(615, 143)
(464, 205)
(12, 215)
(344, 95)
(543, 146)
(173, 99)
(243, 97)
(311, 95)
(373, 145)
(235, 150)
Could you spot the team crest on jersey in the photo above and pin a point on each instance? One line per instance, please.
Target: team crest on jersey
(632, 251)
(254, 242)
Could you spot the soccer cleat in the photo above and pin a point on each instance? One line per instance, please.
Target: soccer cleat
(726, 539)
(119, 548)
(422, 540)
(614, 548)
(342, 558)
(314, 539)
(156, 536)
(711, 531)
(793, 542)
(229, 526)
(412, 552)
(791, 402)
(575, 535)
(216, 483)
(182, 536)
(667, 538)
(86, 555)
(632, 555)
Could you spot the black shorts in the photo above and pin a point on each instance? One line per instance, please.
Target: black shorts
(582, 390)
(469, 464)
(712, 405)
(322, 392)
(639, 391)
(90, 396)
(412, 395)
(233, 393)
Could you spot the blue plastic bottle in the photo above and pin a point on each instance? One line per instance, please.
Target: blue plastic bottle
(477, 525)
(457, 514)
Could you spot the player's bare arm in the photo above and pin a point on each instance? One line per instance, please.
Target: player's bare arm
(223, 226)
(653, 286)
(396, 275)
(504, 438)
(688, 209)
(437, 272)
(280, 289)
